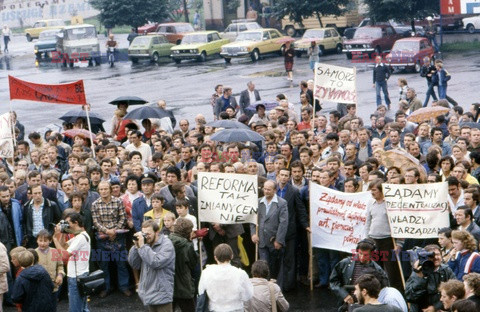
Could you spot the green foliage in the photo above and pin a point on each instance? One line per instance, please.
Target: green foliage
(299, 10)
(404, 10)
(130, 12)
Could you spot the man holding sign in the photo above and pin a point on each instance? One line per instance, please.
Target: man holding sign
(272, 229)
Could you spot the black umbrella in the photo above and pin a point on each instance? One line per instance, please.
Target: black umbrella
(470, 124)
(236, 135)
(73, 115)
(130, 100)
(228, 124)
(145, 112)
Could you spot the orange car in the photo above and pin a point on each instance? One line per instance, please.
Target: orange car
(174, 31)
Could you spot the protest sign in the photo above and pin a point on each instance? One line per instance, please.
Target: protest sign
(227, 198)
(337, 219)
(417, 211)
(335, 83)
(6, 139)
(68, 93)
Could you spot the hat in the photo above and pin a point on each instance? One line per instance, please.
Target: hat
(260, 105)
(260, 124)
(149, 178)
(280, 108)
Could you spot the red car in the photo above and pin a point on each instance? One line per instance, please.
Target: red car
(369, 39)
(409, 53)
(174, 31)
(147, 28)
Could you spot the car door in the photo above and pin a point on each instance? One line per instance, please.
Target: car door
(216, 43)
(164, 46)
(328, 40)
(273, 45)
(335, 37)
(154, 45)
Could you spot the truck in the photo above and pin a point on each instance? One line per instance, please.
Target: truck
(350, 19)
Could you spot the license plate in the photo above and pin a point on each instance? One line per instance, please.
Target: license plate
(234, 54)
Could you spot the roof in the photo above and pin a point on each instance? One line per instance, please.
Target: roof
(78, 26)
(206, 32)
(413, 39)
(173, 24)
(258, 30)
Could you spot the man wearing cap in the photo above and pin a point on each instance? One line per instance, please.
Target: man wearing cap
(247, 97)
(260, 127)
(143, 204)
(260, 115)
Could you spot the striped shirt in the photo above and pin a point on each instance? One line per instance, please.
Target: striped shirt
(109, 215)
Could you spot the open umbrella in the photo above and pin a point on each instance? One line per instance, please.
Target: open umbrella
(285, 39)
(236, 135)
(72, 115)
(427, 113)
(145, 112)
(228, 124)
(269, 105)
(403, 160)
(471, 124)
(80, 132)
(130, 100)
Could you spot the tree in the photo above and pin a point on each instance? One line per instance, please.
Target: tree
(402, 11)
(134, 13)
(299, 10)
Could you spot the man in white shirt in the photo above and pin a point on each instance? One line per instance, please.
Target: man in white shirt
(137, 145)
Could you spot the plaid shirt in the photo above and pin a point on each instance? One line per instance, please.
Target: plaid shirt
(108, 216)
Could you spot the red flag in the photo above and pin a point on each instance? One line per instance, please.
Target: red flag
(68, 93)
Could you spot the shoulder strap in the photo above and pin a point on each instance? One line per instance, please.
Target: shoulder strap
(273, 300)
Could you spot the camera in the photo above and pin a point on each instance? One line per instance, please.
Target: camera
(136, 238)
(64, 226)
(424, 259)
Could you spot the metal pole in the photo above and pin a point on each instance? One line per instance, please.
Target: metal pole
(87, 108)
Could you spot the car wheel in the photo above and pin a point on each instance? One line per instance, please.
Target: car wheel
(321, 51)
(71, 63)
(227, 60)
(470, 28)
(282, 50)
(134, 60)
(203, 57)
(290, 31)
(339, 48)
(98, 61)
(38, 55)
(417, 67)
(90, 63)
(349, 55)
(298, 54)
(178, 41)
(378, 50)
(255, 55)
(155, 57)
(177, 61)
(29, 38)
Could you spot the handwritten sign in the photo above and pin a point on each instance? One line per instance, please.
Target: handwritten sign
(335, 83)
(337, 219)
(6, 139)
(68, 93)
(227, 198)
(417, 211)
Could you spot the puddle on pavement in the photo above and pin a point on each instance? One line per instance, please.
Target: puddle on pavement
(268, 73)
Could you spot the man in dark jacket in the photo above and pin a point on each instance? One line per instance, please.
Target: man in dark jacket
(421, 290)
(247, 98)
(427, 71)
(34, 178)
(347, 271)
(381, 73)
(185, 262)
(33, 288)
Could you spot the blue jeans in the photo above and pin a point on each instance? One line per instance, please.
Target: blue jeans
(382, 85)
(442, 92)
(76, 303)
(326, 261)
(312, 65)
(118, 255)
(433, 41)
(430, 92)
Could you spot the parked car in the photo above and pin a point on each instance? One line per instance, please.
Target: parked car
(39, 26)
(150, 47)
(147, 28)
(449, 22)
(369, 39)
(403, 29)
(471, 23)
(46, 44)
(198, 46)
(174, 31)
(408, 53)
(78, 43)
(237, 26)
(327, 39)
(253, 43)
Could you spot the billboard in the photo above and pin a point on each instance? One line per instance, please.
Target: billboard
(460, 6)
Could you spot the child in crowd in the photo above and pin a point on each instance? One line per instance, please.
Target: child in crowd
(50, 259)
(17, 267)
(33, 288)
(157, 213)
(402, 88)
(182, 209)
(168, 223)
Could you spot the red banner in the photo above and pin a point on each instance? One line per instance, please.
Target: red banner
(450, 7)
(68, 93)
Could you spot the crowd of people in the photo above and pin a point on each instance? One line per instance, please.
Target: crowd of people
(70, 206)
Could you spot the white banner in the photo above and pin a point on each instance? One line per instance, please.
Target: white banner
(335, 83)
(227, 198)
(417, 211)
(337, 219)
(6, 139)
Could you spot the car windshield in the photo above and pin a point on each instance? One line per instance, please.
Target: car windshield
(185, 28)
(364, 32)
(312, 33)
(47, 35)
(141, 40)
(253, 26)
(194, 39)
(81, 33)
(405, 46)
(251, 36)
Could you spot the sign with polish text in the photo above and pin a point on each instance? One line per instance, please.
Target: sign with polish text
(335, 83)
(227, 198)
(6, 139)
(417, 211)
(337, 219)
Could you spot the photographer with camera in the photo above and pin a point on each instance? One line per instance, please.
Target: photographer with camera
(78, 249)
(154, 254)
(421, 290)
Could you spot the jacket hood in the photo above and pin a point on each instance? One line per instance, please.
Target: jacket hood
(35, 273)
(178, 241)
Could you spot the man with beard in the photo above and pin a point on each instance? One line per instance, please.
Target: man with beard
(367, 289)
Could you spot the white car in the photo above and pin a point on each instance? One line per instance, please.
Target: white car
(471, 23)
(238, 26)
